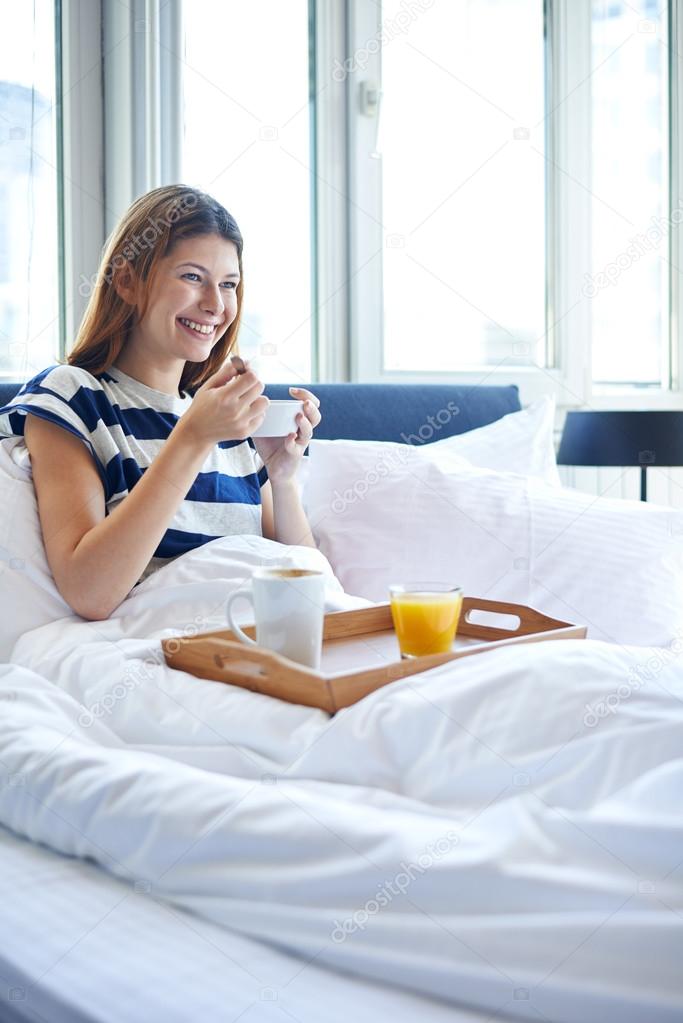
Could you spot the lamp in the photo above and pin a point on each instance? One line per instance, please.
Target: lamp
(624, 439)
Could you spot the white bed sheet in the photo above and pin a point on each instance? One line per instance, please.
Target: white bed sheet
(77, 944)
(554, 771)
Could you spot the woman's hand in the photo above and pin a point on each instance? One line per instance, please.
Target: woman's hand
(228, 406)
(282, 455)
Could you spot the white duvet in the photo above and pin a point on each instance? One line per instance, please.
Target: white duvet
(505, 833)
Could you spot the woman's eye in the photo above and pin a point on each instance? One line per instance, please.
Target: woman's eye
(194, 276)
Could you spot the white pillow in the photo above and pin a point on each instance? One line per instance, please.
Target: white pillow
(383, 512)
(28, 595)
(387, 512)
(520, 442)
(617, 564)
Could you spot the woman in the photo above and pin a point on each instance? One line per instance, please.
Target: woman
(140, 444)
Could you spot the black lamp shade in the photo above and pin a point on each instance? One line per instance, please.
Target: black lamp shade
(622, 438)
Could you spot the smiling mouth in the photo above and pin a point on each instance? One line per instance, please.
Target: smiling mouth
(201, 330)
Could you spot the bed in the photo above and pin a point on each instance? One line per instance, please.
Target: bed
(79, 945)
(175, 849)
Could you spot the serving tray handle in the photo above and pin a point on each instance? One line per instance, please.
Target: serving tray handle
(528, 620)
(266, 672)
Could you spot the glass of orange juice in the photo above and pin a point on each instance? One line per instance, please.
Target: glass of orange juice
(425, 617)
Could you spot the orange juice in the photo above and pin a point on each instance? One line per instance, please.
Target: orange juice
(425, 620)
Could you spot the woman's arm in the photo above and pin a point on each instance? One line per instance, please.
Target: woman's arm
(283, 516)
(96, 559)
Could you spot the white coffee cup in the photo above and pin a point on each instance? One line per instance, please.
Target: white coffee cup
(289, 607)
(280, 418)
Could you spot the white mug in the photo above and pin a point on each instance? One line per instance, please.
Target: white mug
(280, 418)
(289, 607)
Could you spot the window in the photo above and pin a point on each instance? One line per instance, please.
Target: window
(247, 128)
(463, 199)
(29, 265)
(515, 213)
(629, 284)
(492, 181)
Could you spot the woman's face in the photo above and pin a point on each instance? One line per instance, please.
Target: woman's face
(192, 300)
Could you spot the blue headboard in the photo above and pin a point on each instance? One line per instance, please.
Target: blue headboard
(411, 413)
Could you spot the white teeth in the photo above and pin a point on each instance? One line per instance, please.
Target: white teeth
(197, 326)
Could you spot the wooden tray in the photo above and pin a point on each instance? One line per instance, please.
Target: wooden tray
(360, 653)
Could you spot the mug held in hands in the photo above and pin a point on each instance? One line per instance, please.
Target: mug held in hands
(280, 418)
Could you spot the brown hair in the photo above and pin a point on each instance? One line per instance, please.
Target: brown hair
(145, 234)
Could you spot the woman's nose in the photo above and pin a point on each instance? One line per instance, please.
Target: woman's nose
(212, 300)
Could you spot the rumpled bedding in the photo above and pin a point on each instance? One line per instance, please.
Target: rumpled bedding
(504, 833)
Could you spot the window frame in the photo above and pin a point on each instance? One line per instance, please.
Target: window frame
(330, 221)
(110, 147)
(142, 100)
(80, 158)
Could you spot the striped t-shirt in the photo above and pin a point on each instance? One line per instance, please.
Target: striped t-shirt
(124, 424)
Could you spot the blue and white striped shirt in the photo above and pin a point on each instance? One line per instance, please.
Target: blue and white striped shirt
(124, 424)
